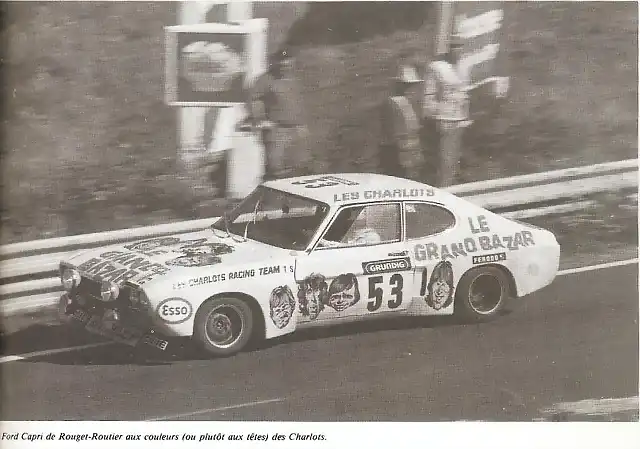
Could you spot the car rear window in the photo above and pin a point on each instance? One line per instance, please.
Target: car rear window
(423, 220)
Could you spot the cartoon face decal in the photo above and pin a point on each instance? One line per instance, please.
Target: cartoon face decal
(199, 253)
(440, 287)
(281, 306)
(343, 292)
(215, 249)
(312, 295)
(152, 244)
(195, 260)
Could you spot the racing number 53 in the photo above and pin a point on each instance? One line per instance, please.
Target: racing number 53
(375, 293)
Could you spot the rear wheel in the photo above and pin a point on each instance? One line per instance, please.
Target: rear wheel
(223, 326)
(482, 294)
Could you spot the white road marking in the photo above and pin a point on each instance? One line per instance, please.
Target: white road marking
(14, 358)
(601, 266)
(217, 409)
(596, 406)
(30, 355)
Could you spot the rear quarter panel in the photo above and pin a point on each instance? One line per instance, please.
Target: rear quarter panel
(480, 238)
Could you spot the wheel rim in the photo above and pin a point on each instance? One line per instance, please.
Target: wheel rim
(225, 325)
(485, 294)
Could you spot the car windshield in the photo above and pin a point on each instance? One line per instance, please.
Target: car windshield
(276, 218)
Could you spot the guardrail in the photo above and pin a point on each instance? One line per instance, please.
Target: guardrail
(28, 271)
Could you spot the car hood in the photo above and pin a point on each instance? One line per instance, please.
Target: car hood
(146, 260)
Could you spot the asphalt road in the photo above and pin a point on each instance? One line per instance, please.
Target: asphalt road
(575, 340)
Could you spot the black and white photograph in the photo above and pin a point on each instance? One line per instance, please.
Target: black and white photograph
(319, 224)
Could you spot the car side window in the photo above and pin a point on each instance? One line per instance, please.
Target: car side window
(423, 220)
(363, 226)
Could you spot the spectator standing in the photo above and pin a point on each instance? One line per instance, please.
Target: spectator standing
(401, 149)
(276, 108)
(446, 102)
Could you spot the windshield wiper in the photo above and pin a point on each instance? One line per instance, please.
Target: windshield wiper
(225, 217)
(255, 217)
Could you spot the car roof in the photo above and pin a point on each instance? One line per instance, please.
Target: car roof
(346, 188)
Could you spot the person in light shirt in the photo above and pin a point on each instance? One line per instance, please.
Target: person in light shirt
(446, 103)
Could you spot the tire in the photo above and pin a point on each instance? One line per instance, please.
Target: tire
(223, 326)
(482, 294)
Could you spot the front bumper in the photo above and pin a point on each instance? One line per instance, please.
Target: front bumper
(127, 326)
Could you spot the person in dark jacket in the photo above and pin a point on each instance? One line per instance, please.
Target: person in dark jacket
(401, 149)
(276, 108)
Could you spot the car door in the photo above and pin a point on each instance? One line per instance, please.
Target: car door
(359, 267)
(429, 228)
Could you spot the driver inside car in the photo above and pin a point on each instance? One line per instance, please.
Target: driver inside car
(349, 229)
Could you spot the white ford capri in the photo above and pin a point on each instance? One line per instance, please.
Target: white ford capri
(309, 251)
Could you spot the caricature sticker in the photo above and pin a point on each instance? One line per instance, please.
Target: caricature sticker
(312, 295)
(195, 260)
(343, 292)
(439, 290)
(200, 255)
(152, 244)
(281, 306)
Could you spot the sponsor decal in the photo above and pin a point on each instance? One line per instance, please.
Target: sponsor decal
(313, 293)
(174, 310)
(384, 194)
(432, 251)
(200, 280)
(324, 181)
(119, 266)
(281, 306)
(438, 292)
(166, 245)
(399, 254)
(387, 265)
(242, 274)
(480, 225)
(488, 258)
(269, 270)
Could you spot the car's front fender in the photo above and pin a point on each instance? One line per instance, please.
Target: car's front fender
(272, 290)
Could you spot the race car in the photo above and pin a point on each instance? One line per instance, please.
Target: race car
(310, 251)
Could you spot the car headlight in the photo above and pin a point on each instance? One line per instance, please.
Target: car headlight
(70, 278)
(108, 291)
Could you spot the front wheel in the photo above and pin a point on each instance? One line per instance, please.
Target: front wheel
(482, 293)
(223, 326)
